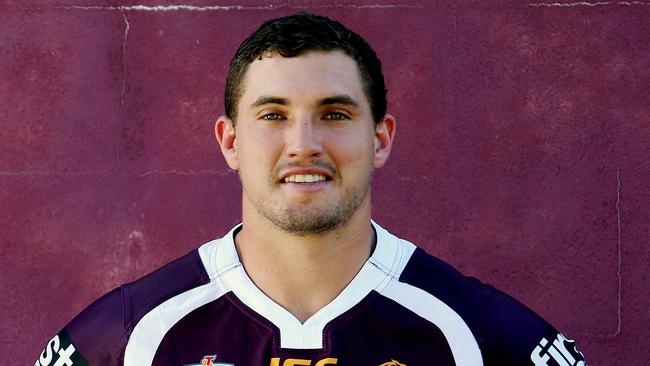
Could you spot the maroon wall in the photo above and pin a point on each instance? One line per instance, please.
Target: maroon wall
(521, 156)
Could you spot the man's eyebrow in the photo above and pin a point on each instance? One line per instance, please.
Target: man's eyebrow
(335, 99)
(339, 99)
(264, 99)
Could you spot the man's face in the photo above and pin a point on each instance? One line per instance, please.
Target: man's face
(304, 143)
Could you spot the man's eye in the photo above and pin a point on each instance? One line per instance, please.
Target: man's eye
(272, 116)
(337, 116)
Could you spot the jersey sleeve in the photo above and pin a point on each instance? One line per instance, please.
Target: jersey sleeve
(95, 337)
(508, 333)
(512, 334)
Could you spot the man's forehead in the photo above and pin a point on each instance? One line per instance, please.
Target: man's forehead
(314, 74)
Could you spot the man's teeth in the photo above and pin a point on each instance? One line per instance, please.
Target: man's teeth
(304, 178)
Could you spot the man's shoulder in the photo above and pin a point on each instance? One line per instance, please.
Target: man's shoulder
(481, 305)
(99, 333)
(134, 299)
(173, 278)
(506, 330)
(440, 278)
(412, 265)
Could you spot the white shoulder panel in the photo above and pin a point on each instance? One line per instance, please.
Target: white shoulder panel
(463, 345)
(151, 329)
(392, 253)
(220, 255)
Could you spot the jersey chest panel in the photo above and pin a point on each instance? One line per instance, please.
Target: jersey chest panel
(376, 332)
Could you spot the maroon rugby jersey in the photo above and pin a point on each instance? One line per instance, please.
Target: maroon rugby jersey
(404, 308)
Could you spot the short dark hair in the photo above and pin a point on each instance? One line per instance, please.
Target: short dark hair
(297, 34)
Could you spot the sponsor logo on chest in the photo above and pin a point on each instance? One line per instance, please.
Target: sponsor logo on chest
(392, 363)
(277, 361)
(210, 361)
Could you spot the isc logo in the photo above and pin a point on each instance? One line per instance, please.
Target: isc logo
(562, 351)
(276, 361)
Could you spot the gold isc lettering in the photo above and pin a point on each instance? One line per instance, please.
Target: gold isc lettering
(296, 362)
(275, 361)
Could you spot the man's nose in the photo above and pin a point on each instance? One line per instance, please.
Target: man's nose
(303, 140)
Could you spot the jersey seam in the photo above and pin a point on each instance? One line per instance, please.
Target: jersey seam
(390, 274)
(392, 271)
(215, 271)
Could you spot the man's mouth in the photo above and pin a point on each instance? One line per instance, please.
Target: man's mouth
(305, 178)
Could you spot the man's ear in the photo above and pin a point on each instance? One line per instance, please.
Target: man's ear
(224, 129)
(384, 136)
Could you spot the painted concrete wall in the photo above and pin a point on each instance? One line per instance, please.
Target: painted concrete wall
(522, 153)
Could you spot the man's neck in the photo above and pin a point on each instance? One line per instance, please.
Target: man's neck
(303, 273)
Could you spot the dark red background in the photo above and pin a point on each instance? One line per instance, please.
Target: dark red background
(522, 152)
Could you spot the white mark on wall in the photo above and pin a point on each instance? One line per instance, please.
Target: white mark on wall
(589, 4)
(112, 172)
(136, 235)
(366, 6)
(57, 173)
(618, 247)
(124, 74)
(619, 299)
(185, 172)
(196, 8)
(160, 8)
(125, 258)
(184, 7)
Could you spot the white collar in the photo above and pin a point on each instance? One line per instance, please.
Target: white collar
(386, 263)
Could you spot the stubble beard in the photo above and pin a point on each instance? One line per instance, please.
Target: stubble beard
(310, 220)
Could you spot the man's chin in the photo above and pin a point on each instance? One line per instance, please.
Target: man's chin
(306, 230)
(308, 225)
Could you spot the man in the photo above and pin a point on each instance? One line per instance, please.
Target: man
(307, 278)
